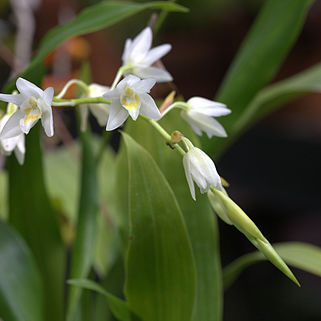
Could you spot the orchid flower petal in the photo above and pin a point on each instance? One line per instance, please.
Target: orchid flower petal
(141, 44)
(208, 107)
(148, 107)
(12, 126)
(28, 88)
(126, 52)
(188, 175)
(48, 96)
(144, 86)
(15, 99)
(117, 116)
(156, 53)
(158, 74)
(47, 122)
(20, 149)
(205, 123)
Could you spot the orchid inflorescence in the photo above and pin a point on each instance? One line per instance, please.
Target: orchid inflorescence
(111, 106)
(127, 97)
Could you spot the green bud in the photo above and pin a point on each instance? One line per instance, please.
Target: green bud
(268, 251)
(231, 213)
(237, 216)
(218, 207)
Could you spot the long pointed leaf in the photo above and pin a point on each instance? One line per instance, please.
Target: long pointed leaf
(200, 221)
(276, 95)
(274, 32)
(83, 250)
(160, 272)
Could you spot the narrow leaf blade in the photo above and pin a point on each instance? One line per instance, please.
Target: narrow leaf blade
(118, 307)
(83, 250)
(274, 32)
(278, 94)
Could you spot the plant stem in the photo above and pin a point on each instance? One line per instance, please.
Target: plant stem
(71, 82)
(103, 142)
(164, 133)
(119, 74)
(78, 101)
(178, 104)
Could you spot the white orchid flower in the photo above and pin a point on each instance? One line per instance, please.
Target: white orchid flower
(14, 144)
(33, 104)
(138, 57)
(199, 168)
(199, 113)
(130, 97)
(100, 111)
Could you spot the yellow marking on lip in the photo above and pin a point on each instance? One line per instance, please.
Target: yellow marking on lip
(32, 101)
(130, 101)
(31, 117)
(128, 92)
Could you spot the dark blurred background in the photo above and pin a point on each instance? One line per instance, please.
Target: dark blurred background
(273, 170)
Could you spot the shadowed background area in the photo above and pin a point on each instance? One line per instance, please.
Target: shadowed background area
(273, 169)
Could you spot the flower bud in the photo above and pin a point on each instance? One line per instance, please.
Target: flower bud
(231, 213)
(268, 251)
(237, 216)
(219, 207)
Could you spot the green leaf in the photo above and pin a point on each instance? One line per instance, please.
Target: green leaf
(303, 256)
(118, 307)
(200, 221)
(30, 212)
(94, 18)
(274, 32)
(160, 272)
(83, 249)
(62, 174)
(21, 292)
(276, 95)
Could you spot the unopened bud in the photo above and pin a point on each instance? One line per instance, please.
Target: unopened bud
(238, 217)
(176, 137)
(230, 212)
(268, 251)
(219, 207)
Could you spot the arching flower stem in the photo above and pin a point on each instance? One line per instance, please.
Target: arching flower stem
(71, 82)
(164, 133)
(178, 104)
(121, 71)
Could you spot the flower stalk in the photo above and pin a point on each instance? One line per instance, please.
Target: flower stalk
(57, 102)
